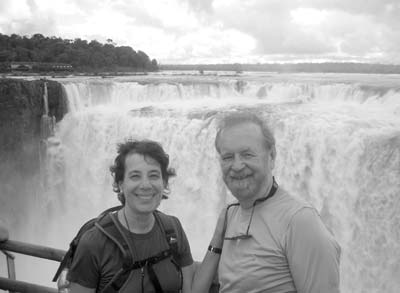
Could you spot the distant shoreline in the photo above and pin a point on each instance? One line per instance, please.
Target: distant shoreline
(326, 67)
(68, 74)
(220, 70)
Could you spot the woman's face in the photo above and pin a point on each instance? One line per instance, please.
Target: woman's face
(142, 184)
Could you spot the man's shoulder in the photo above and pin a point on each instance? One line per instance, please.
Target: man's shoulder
(291, 201)
(284, 206)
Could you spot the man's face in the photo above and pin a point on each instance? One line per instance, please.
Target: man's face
(245, 162)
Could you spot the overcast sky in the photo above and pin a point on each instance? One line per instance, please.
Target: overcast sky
(220, 31)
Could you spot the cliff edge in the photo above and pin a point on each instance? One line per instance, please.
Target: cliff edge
(22, 105)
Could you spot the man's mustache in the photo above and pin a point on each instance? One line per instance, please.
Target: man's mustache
(239, 175)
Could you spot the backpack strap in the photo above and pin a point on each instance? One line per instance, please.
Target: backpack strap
(113, 231)
(167, 226)
(69, 255)
(107, 224)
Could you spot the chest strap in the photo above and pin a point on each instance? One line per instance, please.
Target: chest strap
(148, 261)
(122, 275)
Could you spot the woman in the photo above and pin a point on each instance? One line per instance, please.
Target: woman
(153, 262)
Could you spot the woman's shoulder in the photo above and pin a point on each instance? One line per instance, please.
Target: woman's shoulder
(95, 236)
(168, 219)
(172, 224)
(91, 238)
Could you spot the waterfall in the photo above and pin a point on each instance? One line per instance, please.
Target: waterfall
(90, 93)
(47, 123)
(46, 100)
(338, 147)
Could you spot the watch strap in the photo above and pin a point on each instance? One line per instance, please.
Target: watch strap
(214, 249)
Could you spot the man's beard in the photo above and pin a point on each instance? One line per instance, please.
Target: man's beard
(240, 184)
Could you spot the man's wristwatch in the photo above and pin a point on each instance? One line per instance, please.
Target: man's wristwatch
(214, 249)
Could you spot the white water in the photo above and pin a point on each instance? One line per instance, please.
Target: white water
(338, 142)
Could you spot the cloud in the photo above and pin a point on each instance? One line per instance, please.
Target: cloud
(220, 30)
(362, 35)
(360, 30)
(379, 9)
(200, 6)
(205, 44)
(24, 19)
(271, 24)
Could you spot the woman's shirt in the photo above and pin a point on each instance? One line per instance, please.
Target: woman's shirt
(97, 259)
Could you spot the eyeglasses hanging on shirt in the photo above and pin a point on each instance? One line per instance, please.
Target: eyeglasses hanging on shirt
(257, 201)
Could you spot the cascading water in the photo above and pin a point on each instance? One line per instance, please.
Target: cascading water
(338, 144)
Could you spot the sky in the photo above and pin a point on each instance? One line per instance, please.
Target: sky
(221, 31)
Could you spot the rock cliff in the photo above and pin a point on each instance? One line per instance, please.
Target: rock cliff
(21, 110)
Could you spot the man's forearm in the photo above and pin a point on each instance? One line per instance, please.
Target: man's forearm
(205, 273)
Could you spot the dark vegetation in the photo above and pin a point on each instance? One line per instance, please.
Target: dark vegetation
(328, 67)
(40, 54)
(84, 56)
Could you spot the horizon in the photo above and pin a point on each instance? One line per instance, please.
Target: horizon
(221, 31)
(283, 63)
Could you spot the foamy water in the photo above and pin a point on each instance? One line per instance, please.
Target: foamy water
(338, 144)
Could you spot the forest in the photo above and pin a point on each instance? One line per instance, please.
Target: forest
(83, 55)
(93, 56)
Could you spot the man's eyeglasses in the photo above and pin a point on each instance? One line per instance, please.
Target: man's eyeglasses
(241, 236)
(257, 201)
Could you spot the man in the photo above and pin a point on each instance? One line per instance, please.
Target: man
(268, 241)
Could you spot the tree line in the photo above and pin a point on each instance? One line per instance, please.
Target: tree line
(81, 54)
